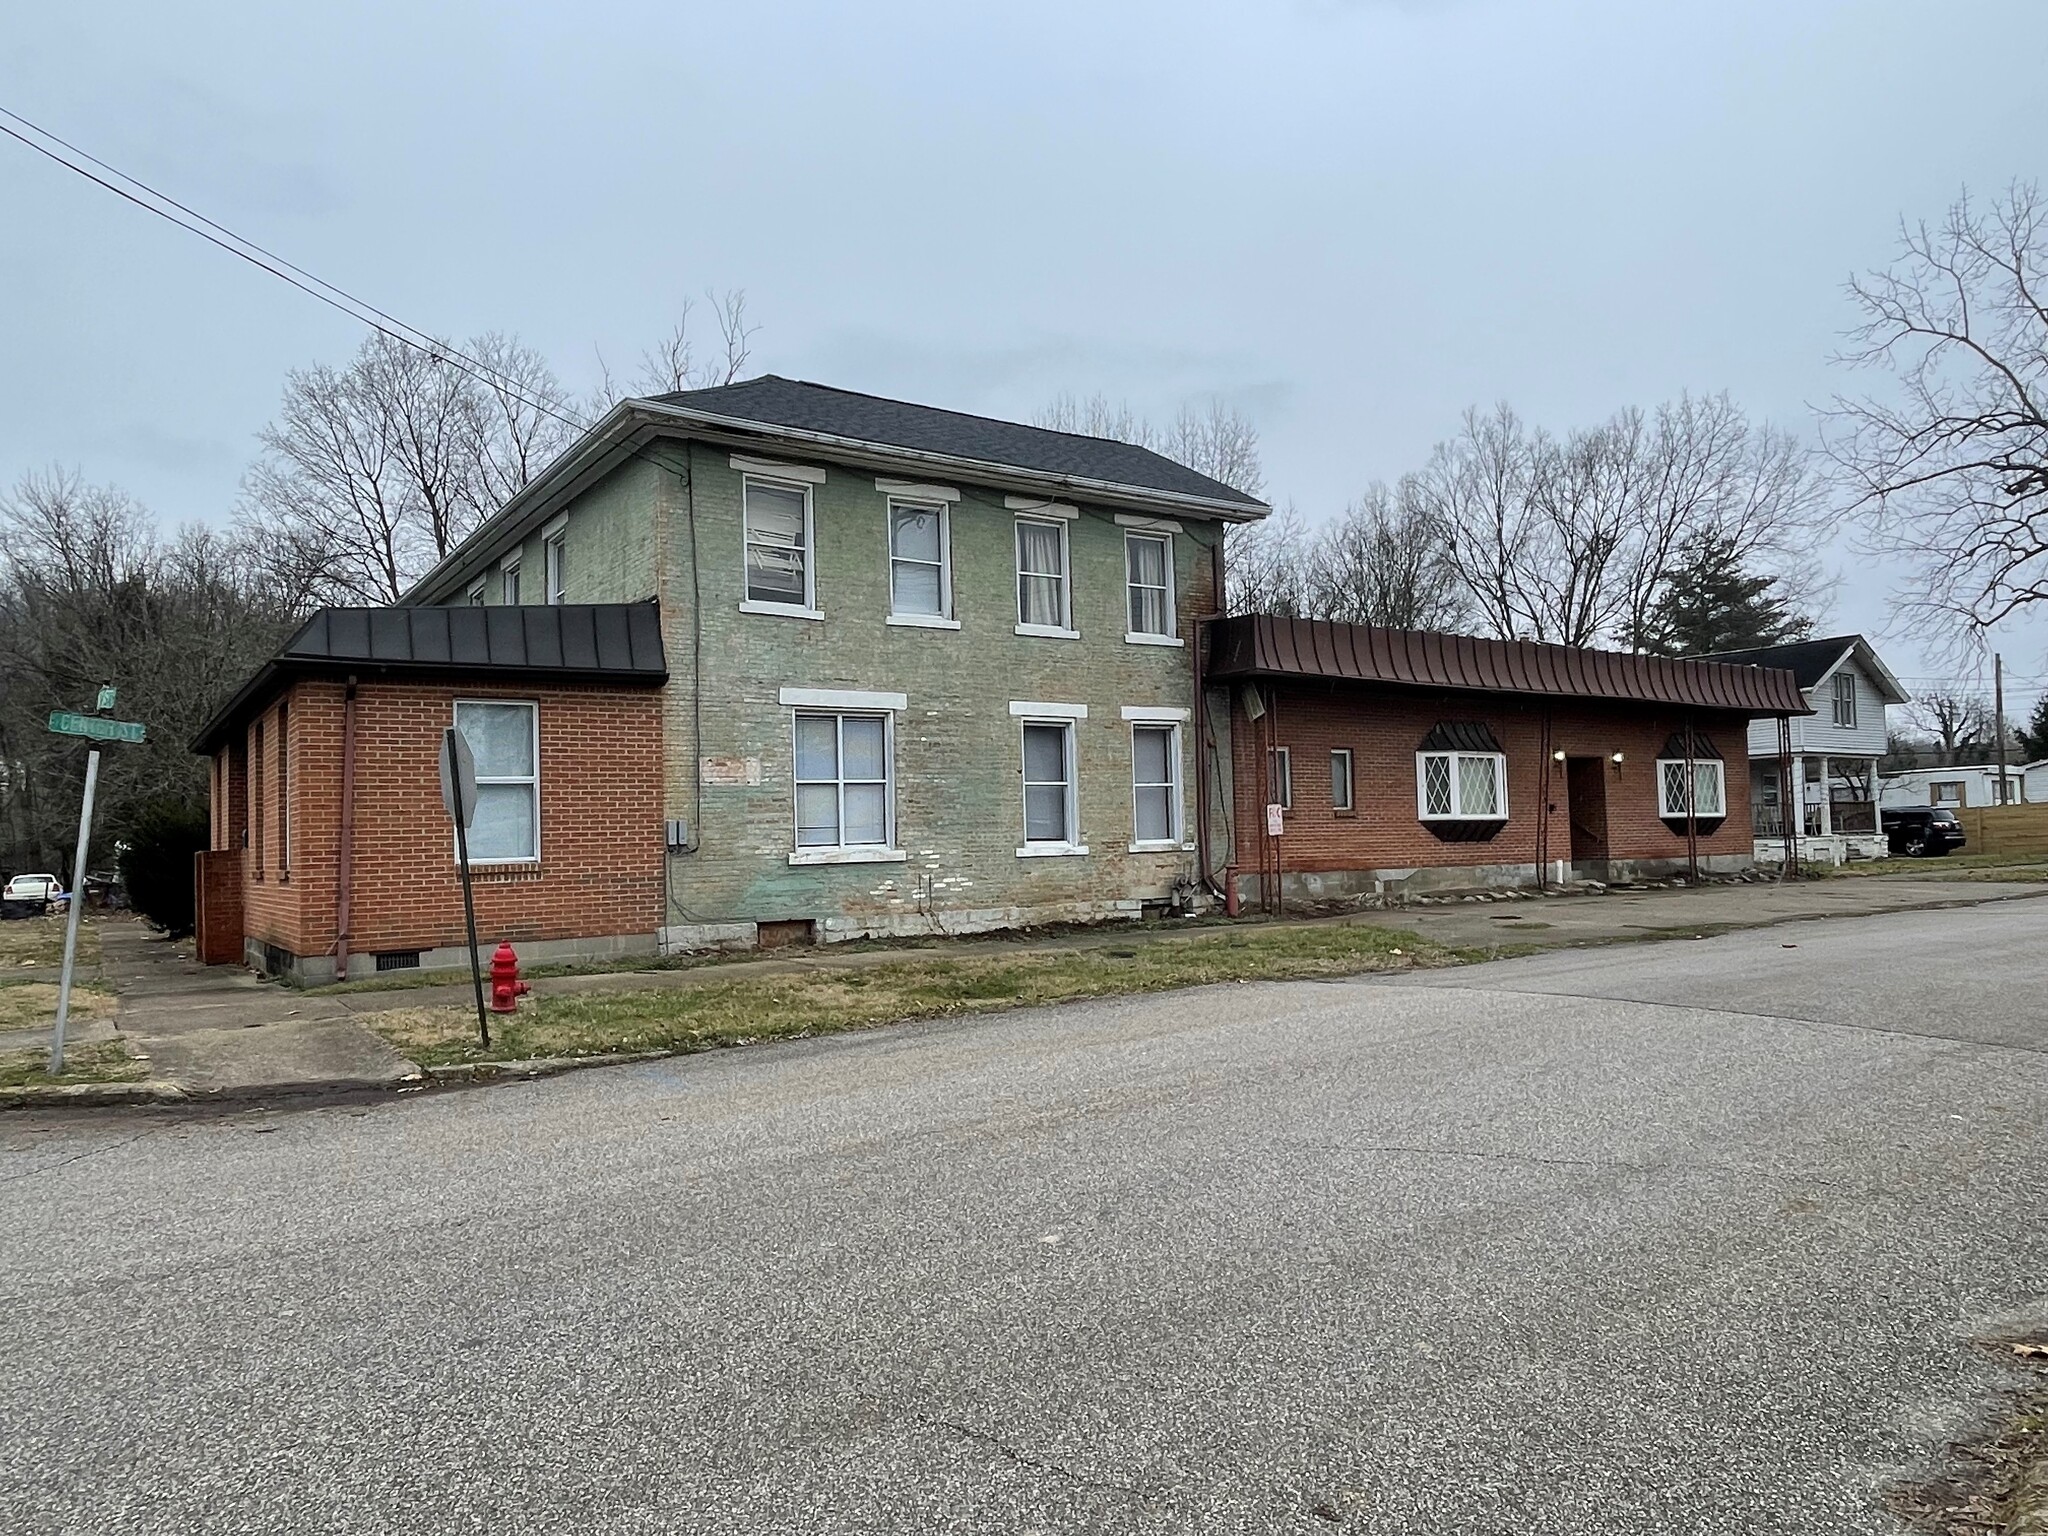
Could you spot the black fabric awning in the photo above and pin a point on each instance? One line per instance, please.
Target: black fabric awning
(1459, 736)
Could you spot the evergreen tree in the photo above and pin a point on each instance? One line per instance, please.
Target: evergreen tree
(2034, 734)
(1710, 603)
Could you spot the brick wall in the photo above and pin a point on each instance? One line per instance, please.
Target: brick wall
(1384, 729)
(600, 870)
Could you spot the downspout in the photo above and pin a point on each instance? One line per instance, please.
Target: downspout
(1201, 759)
(344, 878)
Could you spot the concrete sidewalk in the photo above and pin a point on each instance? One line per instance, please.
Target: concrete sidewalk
(215, 1031)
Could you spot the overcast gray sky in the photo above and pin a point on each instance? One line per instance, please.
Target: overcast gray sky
(1352, 219)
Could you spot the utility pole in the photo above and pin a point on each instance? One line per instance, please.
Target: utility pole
(1998, 718)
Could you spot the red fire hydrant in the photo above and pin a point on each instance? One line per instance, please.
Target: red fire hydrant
(506, 987)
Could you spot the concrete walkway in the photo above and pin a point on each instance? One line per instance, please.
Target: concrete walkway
(218, 1031)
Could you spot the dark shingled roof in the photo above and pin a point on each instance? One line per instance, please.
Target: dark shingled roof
(1807, 660)
(562, 643)
(770, 401)
(1261, 645)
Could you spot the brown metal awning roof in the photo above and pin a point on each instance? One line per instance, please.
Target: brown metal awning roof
(1263, 645)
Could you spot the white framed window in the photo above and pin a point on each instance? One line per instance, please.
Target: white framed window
(475, 595)
(508, 583)
(1044, 598)
(1709, 787)
(845, 791)
(1845, 699)
(780, 578)
(1280, 777)
(1148, 586)
(1155, 785)
(920, 562)
(1340, 779)
(504, 736)
(1051, 804)
(555, 567)
(1461, 786)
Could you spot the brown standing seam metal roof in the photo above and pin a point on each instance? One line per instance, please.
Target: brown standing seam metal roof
(1263, 645)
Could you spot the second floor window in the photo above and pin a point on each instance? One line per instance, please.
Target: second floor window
(778, 537)
(508, 583)
(1148, 575)
(1845, 699)
(555, 558)
(1042, 596)
(918, 585)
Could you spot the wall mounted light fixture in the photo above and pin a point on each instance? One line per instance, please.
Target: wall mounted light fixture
(1617, 759)
(1558, 755)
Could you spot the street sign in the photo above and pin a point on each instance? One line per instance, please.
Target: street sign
(65, 723)
(106, 699)
(458, 778)
(1276, 820)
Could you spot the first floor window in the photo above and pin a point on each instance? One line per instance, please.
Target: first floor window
(555, 559)
(1042, 573)
(1049, 781)
(778, 540)
(1462, 786)
(1148, 574)
(1280, 778)
(503, 736)
(1946, 792)
(284, 789)
(917, 561)
(1340, 780)
(1708, 797)
(508, 583)
(1155, 784)
(842, 781)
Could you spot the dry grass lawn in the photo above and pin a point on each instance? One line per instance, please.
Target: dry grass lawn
(711, 1013)
(40, 941)
(1956, 866)
(33, 1004)
(104, 1061)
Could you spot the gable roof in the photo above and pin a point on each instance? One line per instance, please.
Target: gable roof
(799, 406)
(1263, 645)
(1814, 661)
(562, 643)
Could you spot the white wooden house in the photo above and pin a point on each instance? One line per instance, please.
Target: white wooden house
(1966, 784)
(1826, 763)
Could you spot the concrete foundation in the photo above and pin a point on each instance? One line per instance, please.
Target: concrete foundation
(1311, 886)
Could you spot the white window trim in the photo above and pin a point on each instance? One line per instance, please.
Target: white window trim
(1176, 801)
(1282, 760)
(509, 577)
(1666, 812)
(474, 594)
(554, 525)
(554, 567)
(1457, 812)
(1033, 506)
(843, 698)
(911, 490)
(775, 469)
(1172, 632)
(1064, 630)
(808, 609)
(1158, 713)
(1350, 805)
(1031, 709)
(532, 707)
(1155, 524)
(944, 619)
(1064, 717)
(884, 852)
(1840, 697)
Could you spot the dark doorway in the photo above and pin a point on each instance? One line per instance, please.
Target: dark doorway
(1586, 787)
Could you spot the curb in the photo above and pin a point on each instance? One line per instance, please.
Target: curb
(85, 1095)
(539, 1066)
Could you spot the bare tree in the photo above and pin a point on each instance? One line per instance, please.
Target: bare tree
(1378, 564)
(1955, 719)
(1266, 565)
(672, 366)
(1212, 438)
(1953, 461)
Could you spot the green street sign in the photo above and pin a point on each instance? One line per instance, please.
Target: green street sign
(106, 699)
(67, 724)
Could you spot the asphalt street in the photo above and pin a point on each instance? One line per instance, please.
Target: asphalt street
(1685, 1237)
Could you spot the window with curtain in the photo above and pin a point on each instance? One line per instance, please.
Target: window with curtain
(1148, 579)
(502, 737)
(842, 781)
(1048, 782)
(1155, 784)
(1042, 573)
(778, 541)
(1461, 786)
(918, 585)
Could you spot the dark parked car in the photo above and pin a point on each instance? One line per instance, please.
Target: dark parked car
(1922, 833)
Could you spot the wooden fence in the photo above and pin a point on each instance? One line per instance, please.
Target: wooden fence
(2005, 828)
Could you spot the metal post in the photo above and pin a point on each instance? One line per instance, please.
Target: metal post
(1998, 727)
(476, 973)
(92, 779)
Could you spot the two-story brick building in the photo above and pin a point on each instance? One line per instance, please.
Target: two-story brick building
(921, 672)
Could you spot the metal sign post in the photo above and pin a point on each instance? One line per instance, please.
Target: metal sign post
(92, 779)
(458, 798)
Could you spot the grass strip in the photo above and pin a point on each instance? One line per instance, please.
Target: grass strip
(103, 1061)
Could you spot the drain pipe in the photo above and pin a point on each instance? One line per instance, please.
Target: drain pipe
(344, 879)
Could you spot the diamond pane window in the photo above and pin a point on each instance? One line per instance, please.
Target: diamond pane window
(1462, 786)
